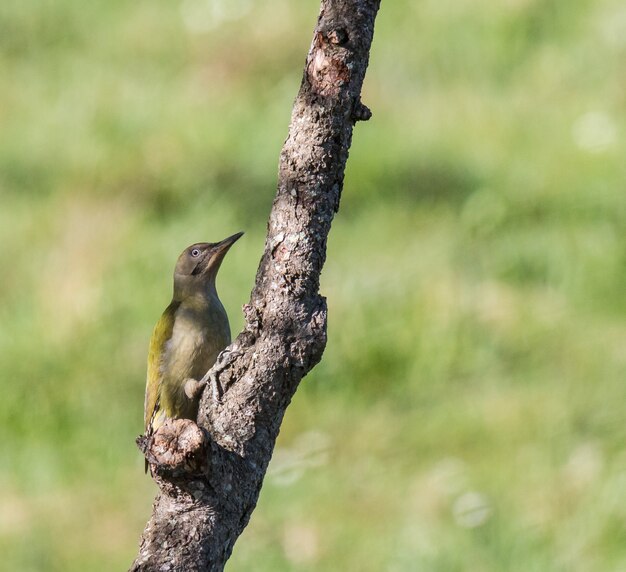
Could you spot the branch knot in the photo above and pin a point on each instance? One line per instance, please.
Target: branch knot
(178, 446)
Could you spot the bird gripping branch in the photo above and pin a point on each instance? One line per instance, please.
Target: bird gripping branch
(187, 339)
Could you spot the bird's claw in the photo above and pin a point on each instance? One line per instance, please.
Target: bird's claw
(216, 388)
(211, 376)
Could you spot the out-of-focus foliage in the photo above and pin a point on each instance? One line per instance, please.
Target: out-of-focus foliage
(469, 411)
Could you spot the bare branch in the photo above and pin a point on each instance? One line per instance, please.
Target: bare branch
(197, 517)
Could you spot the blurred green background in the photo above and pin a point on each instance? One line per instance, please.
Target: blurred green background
(470, 411)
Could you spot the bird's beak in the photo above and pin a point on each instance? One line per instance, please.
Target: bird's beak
(220, 250)
(224, 245)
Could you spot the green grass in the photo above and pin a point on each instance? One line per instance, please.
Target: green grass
(469, 410)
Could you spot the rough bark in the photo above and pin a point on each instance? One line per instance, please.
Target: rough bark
(210, 480)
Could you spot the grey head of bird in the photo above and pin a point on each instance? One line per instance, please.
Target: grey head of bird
(197, 267)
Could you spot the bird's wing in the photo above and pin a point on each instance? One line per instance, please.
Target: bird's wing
(161, 334)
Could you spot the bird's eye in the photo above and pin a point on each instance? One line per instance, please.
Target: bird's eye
(195, 252)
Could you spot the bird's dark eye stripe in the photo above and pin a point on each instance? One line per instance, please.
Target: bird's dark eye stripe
(195, 252)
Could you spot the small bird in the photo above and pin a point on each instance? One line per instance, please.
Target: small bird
(186, 341)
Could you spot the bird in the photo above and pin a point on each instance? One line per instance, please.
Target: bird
(187, 339)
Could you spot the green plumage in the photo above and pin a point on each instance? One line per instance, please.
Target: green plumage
(160, 336)
(188, 337)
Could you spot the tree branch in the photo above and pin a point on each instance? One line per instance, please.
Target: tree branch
(210, 479)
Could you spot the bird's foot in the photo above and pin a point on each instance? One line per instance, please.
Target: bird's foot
(216, 388)
(212, 376)
(193, 387)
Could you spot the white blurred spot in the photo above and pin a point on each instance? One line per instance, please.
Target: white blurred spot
(613, 27)
(584, 465)
(431, 491)
(300, 543)
(471, 510)
(204, 15)
(594, 132)
(450, 475)
(288, 464)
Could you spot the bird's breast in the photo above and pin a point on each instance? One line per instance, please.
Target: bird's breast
(197, 338)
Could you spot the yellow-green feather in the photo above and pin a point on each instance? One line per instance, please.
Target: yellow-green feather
(161, 334)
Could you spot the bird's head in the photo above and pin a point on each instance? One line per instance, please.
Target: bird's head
(198, 264)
